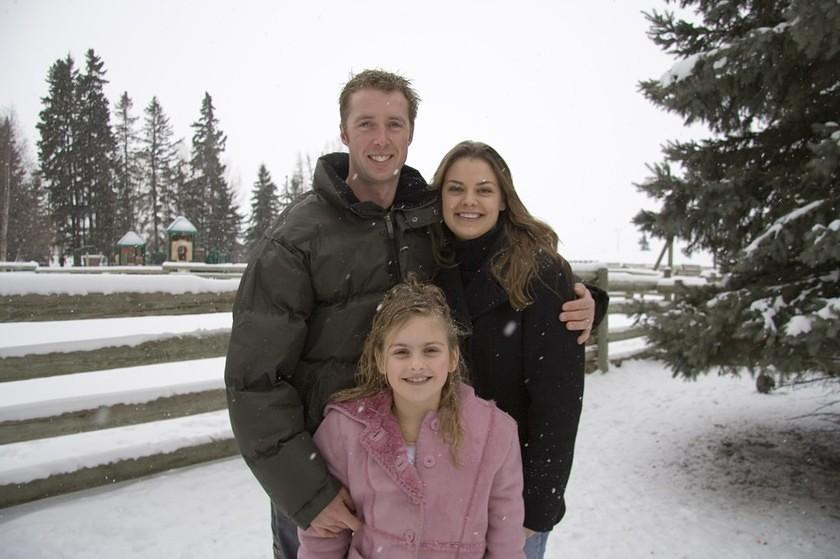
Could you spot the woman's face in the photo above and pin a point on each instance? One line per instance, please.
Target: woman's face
(471, 198)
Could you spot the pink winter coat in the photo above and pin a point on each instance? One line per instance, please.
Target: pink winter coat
(431, 509)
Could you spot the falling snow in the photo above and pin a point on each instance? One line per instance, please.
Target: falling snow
(509, 329)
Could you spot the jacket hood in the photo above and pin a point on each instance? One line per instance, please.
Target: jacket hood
(331, 171)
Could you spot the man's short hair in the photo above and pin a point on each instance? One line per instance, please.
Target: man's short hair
(383, 81)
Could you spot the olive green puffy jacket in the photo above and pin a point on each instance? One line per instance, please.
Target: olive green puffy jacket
(301, 314)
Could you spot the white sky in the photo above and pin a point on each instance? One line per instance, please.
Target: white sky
(552, 85)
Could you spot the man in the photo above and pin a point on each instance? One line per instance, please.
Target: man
(307, 298)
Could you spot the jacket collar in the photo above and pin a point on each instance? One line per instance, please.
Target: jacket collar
(383, 440)
(413, 193)
(483, 295)
(471, 254)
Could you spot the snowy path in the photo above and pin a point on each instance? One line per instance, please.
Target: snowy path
(664, 468)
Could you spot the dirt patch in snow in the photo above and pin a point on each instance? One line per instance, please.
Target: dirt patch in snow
(794, 464)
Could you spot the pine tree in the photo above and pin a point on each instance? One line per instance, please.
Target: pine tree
(218, 222)
(24, 220)
(192, 202)
(299, 183)
(177, 174)
(11, 184)
(157, 156)
(644, 244)
(126, 216)
(762, 193)
(265, 206)
(181, 181)
(30, 237)
(96, 151)
(58, 160)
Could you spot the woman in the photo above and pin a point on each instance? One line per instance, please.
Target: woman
(505, 281)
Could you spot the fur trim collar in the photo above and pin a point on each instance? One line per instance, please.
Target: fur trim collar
(383, 440)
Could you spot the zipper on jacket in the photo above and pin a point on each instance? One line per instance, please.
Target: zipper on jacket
(389, 227)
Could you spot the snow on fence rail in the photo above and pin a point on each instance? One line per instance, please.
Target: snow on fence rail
(196, 268)
(626, 284)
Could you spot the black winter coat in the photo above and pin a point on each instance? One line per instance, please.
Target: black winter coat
(532, 366)
(301, 314)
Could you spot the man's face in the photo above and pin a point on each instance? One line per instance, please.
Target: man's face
(377, 133)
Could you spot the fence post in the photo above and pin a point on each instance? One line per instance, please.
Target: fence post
(602, 335)
(667, 273)
(678, 284)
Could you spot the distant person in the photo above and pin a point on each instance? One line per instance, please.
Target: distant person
(503, 280)
(433, 470)
(307, 297)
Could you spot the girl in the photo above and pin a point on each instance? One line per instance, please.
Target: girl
(433, 470)
(504, 283)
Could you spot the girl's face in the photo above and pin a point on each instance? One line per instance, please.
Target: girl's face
(471, 198)
(417, 360)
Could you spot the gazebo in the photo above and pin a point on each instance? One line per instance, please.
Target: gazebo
(131, 250)
(181, 240)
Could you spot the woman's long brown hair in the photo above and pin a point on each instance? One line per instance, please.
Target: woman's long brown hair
(516, 264)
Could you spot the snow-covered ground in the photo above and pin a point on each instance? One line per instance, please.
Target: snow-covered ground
(664, 468)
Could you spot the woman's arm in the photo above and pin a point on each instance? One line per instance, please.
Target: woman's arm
(553, 368)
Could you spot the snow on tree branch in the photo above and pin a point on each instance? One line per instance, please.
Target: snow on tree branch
(780, 223)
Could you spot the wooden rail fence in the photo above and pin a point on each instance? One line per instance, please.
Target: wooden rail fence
(623, 285)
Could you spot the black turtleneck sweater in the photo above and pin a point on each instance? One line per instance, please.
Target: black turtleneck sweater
(472, 254)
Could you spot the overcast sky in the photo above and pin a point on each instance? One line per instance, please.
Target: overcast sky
(552, 85)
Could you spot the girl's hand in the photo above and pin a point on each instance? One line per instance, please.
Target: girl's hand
(336, 517)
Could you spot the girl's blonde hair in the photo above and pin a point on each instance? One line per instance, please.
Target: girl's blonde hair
(402, 302)
(516, 264)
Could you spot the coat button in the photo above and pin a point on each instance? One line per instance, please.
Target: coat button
(409, 536)
(429, 461)
(400, 463)
(435, 424)
(377, 436)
